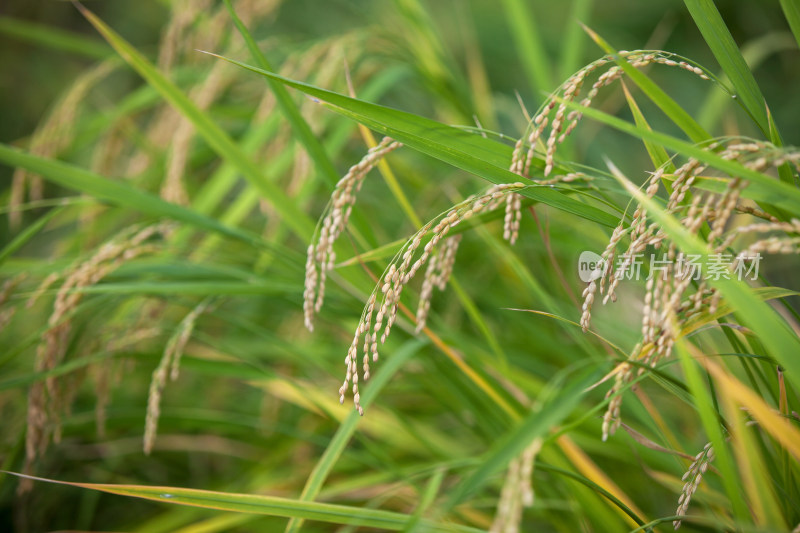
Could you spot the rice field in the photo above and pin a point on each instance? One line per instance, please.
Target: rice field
(399, 266)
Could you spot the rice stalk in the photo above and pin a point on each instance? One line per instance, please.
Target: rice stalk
(562, 124)
(321, 256)
(402, 270)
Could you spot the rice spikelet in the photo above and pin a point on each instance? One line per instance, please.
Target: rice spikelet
(692, 477)
(321, 256)
(667, 291)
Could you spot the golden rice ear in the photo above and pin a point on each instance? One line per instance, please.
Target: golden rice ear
(320, 255)
(692, 477)
(562, 124)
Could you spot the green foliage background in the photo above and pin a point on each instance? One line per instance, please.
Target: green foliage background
(254, 410)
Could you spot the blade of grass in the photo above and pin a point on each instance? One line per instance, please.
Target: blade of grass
(54, 38)
(432, 59)
(118, 193)
(475, 154)
(431, 490)
(755, 52)
(704, 404)
(479, 84)
(773, 423)
(267, 505)
(774, 192)
(537, 423)
(791, 9)
(217, 139)
(572, 45)
(384, 168)
(719, 39)
(347, 428)
(28, 233)
(594, 487)
(658, 155)
(596, 475)
(62, 369)
(201, 288)
(753, 472)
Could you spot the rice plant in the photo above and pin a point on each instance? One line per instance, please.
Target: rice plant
(365, 270)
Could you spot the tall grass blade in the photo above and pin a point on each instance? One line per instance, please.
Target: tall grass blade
(28, 233)
(658, 155)
(347, 428)
(764, 188)
(299, 125)
(791, 9)
(529, 45)
(704, 403)
(537, 423)
(266, 505)
(573, 40)
(719, 39)
(54, 38)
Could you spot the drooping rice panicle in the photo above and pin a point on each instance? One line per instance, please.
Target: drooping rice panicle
(668, 297)
(321, 255)
(438, 254)
(692, 479)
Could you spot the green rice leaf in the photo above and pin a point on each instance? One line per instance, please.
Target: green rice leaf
(770, 191)
(719, 39)
(704, 403)
(538, 422)
(529, 45)
(28, 233)
(54, 38)
(117, 193)
(480, 156)
(347, 428)
(791, 9)
(266, 505)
